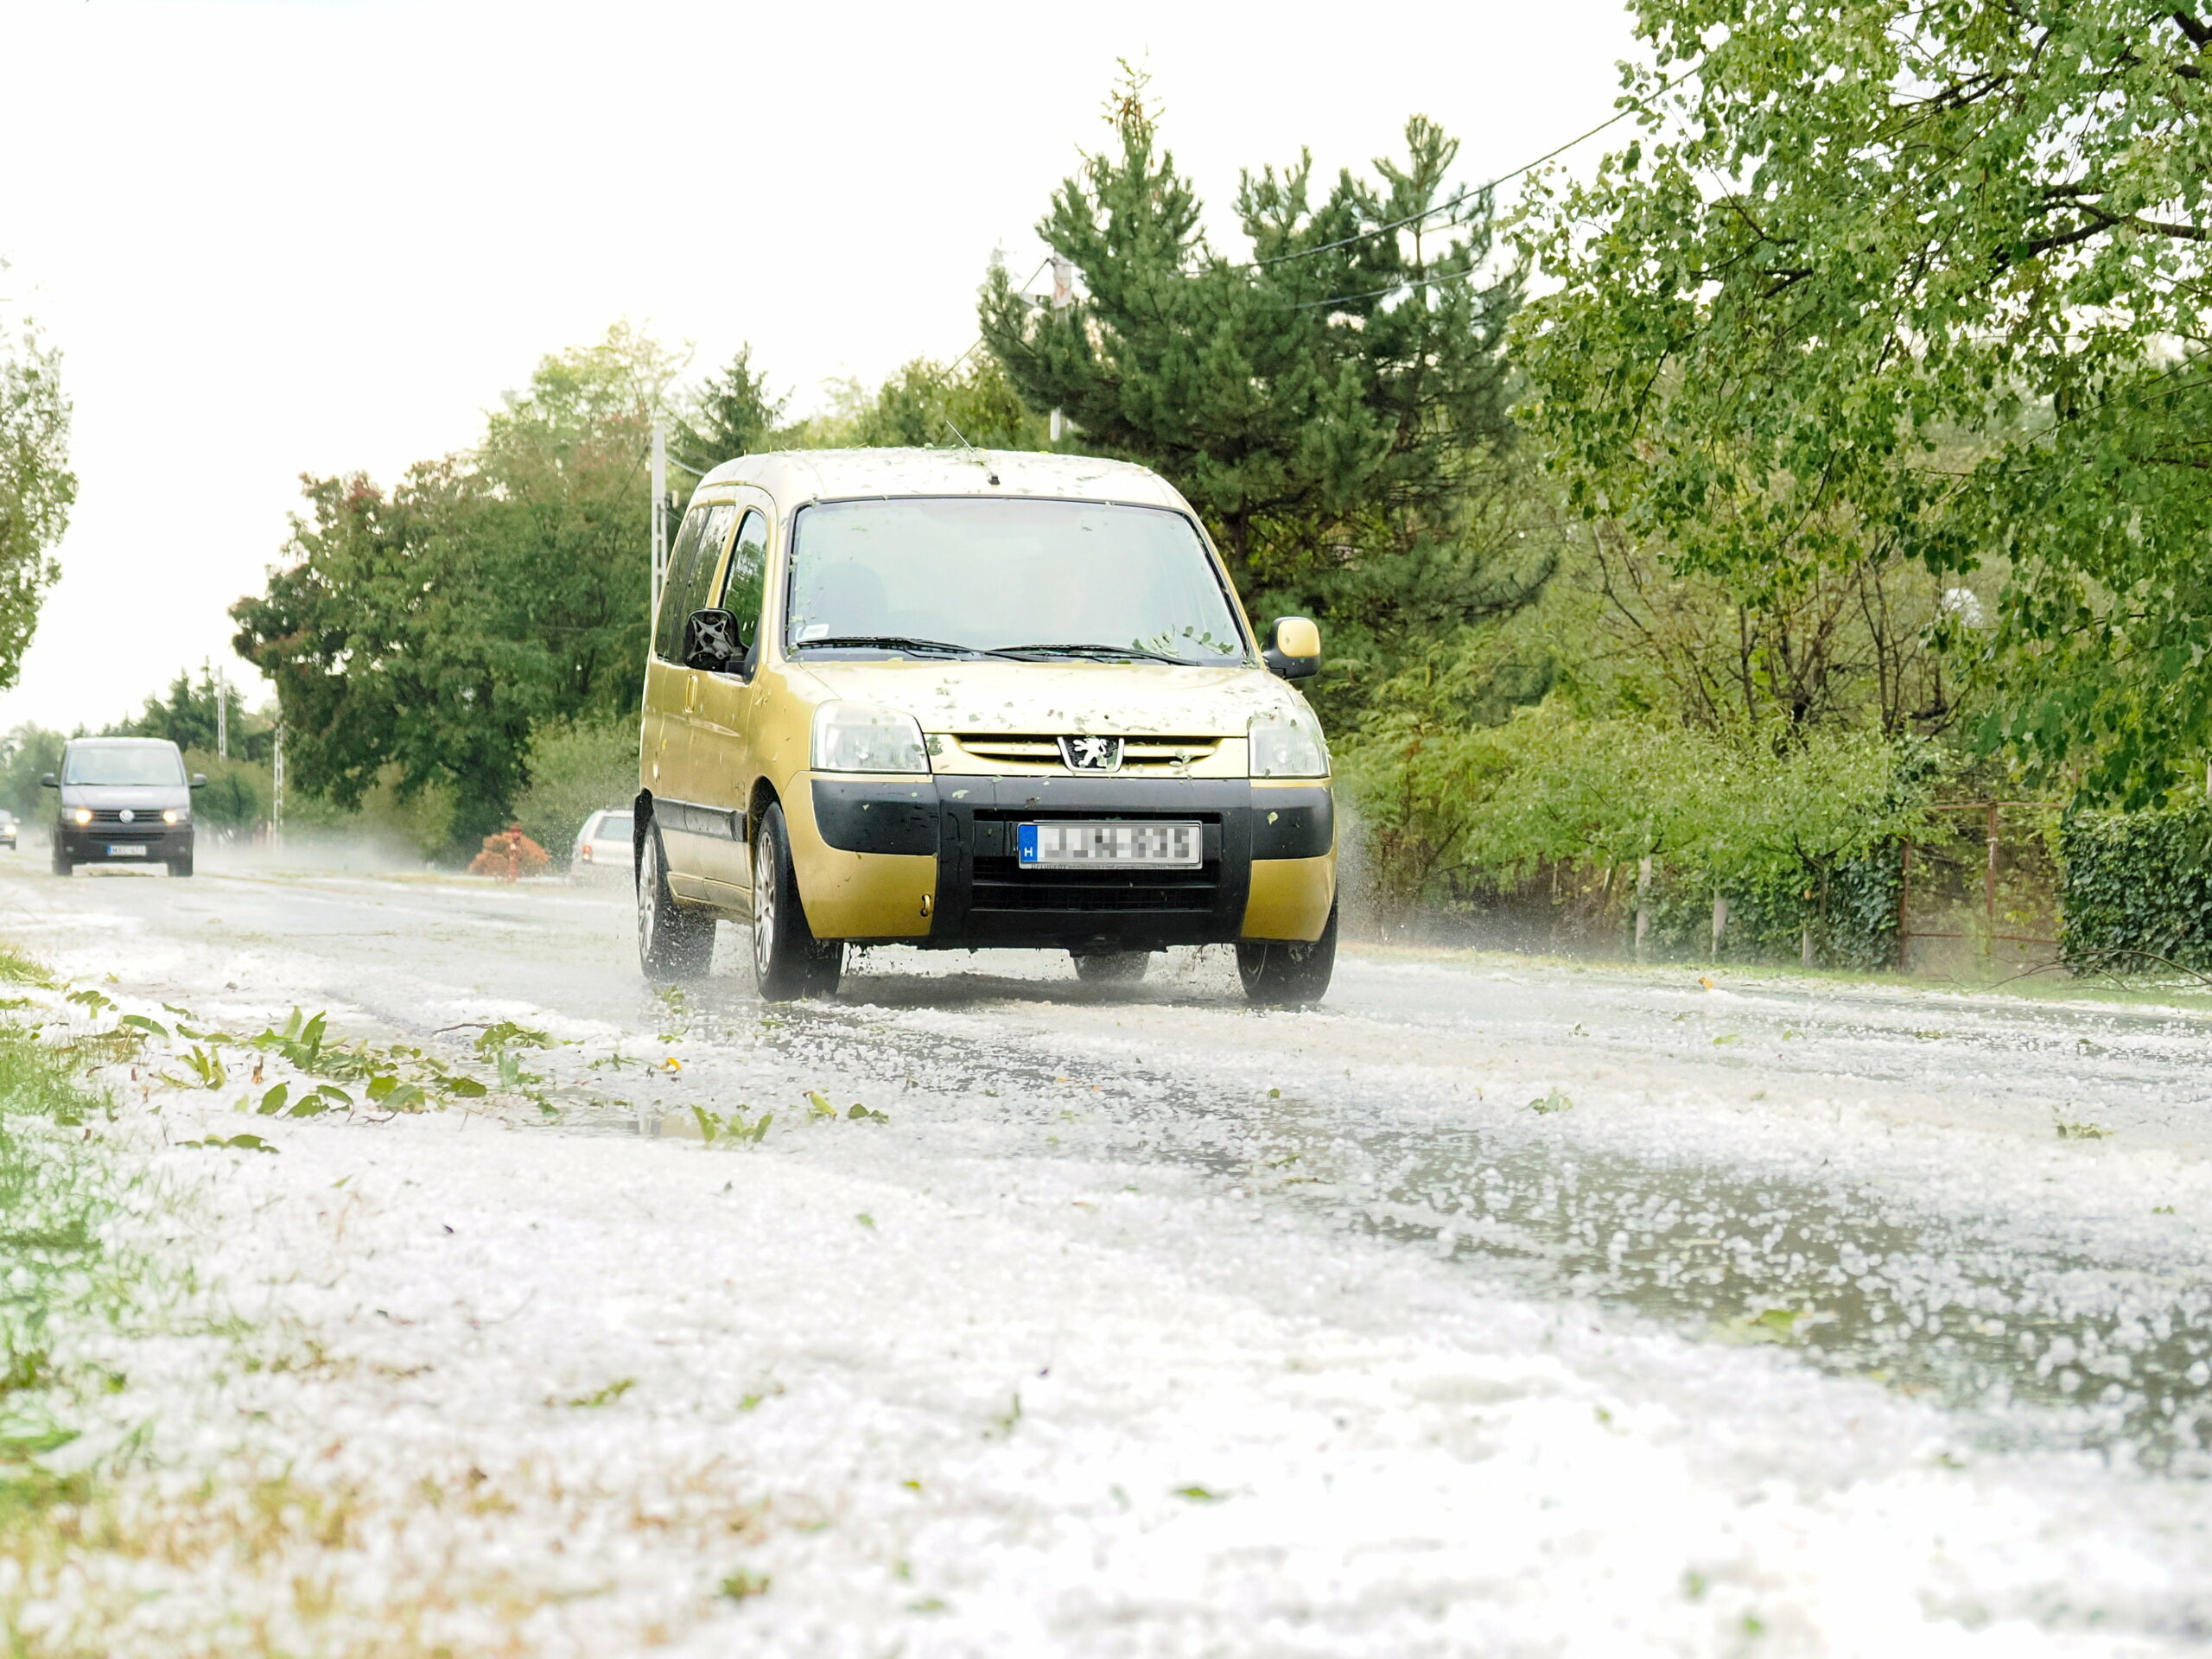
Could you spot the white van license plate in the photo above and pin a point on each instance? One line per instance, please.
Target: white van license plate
(115, 851)
(1106, 846)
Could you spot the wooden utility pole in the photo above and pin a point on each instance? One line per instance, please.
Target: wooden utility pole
(277, 791)
(1062, 296)
(660, 511)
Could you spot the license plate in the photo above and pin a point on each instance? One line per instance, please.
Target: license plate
(1107, 845)
(114, 851)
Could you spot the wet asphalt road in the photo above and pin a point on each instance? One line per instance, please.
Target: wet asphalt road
(1996, 1203)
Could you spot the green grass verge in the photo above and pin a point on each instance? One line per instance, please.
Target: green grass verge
(57, 1187)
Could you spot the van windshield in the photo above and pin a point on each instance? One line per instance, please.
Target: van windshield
(956, 575)
(123, 764)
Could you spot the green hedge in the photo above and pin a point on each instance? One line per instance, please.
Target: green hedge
(1854, 921)
(2137, 882)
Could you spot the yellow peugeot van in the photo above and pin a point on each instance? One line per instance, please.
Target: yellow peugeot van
(963, 698)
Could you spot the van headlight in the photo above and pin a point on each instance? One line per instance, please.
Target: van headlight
(82, 815)
(1286, 746)
(866, 737)
(175, 815)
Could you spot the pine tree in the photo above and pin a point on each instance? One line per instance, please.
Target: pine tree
(734, 415)
(1334, 406)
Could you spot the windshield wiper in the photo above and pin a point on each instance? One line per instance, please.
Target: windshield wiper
(1117, 653)
(893, 642)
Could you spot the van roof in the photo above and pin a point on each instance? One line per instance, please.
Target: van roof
(119, 743)
(796, 475)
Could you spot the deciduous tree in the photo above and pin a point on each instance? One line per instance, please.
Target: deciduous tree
(36, 487)
(1886, 282)
(429, 628)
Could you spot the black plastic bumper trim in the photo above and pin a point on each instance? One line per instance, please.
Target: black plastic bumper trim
(88, 844)
(1292, 823)
(870, 815)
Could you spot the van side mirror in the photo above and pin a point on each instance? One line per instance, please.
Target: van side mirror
(1293, 648)
(49, 781)
(200, 780)
(714, 642)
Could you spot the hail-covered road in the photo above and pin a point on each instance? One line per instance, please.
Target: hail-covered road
(1491, 1308)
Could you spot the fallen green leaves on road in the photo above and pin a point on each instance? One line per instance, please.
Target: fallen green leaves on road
(716, 1129)
(817, 1105)
(1782, 1324)
(606, 1396)
(234, 1143)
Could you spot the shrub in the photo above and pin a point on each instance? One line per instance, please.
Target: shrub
(2137, 884)
(575, 769)
(238, 792)
(1797, 831)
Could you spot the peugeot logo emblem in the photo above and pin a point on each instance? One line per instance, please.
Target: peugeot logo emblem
(1092, 753)
(127, 815)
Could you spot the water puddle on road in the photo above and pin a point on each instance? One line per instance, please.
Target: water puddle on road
(2032, 1346)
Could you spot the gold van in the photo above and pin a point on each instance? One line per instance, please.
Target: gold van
(963, 698)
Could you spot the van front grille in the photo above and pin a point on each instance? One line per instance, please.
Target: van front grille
(1000, 884)
(1144, 756)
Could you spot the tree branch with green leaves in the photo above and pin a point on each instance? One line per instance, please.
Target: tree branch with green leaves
(1931, 278)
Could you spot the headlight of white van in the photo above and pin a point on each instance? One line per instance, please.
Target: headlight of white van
(863, 737)
(1286, 746)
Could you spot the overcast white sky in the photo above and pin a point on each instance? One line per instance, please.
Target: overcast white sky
(274, 235)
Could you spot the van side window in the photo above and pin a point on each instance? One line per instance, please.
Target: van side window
(692, 564)
(675, 584)
(706, 566)
(741, 587)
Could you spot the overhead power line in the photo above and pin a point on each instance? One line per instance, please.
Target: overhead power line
(1557, 150)
(1377, 293)
(1463, 197)
(954, 366)
(1553, 154)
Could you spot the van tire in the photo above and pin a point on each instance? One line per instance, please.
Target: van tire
(62, 866)
(1110, 966)
(673, 943)
(1288, 973)
(788, 961)
(181, 866)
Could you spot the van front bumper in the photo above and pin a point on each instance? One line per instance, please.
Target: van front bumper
(120, 843)
(931, 862)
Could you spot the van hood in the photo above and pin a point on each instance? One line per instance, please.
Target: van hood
(153, 796)
(1124, 699)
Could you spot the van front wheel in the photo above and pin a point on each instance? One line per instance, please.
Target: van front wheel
(788, 961)
(1287, 973)
(673, 943)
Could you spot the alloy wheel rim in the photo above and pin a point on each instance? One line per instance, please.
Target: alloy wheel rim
(764, 907)
(648, 892)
